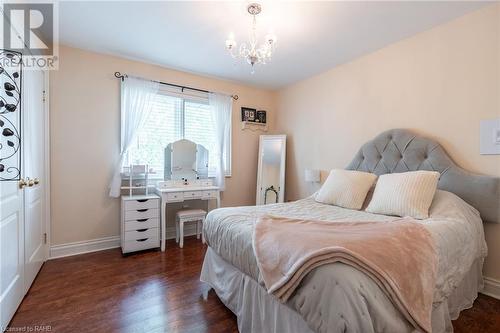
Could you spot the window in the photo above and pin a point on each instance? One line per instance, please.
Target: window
(174, 117)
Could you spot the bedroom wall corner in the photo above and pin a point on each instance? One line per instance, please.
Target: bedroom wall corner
(439, 83)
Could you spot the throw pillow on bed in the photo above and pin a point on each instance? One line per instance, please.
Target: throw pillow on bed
(346, 188)
(404, 194)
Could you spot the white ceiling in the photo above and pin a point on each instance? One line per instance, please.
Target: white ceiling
(312, 36)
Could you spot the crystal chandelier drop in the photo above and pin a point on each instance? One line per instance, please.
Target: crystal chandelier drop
(254, 54)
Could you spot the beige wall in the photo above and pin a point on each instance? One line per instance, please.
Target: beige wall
(440, 83)
(85, 131)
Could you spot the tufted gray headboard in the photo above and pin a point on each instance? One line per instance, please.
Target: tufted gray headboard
(400, 150)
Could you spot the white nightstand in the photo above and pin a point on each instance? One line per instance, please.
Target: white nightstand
(140, 222)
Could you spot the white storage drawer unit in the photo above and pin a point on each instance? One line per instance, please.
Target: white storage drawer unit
(140, 223)
(140, 244)
(141, 204)
(141, 214)
(141, 234)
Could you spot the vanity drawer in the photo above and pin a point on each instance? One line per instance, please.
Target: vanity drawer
(141, 244)
(209, 194)
(149, 233)
(193, 195)
(141, 204)
(142, 223)
(141, 214)
(175, 197)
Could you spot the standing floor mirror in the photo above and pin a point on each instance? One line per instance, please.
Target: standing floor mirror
(271, 169)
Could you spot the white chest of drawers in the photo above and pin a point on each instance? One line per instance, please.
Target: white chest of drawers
(140, 223)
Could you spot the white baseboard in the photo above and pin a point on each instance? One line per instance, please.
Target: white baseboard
(106, 243)
(93, 245)
(491, 287)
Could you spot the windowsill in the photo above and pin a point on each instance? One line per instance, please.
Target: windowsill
(158, 179)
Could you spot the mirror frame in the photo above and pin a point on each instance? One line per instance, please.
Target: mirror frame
(168, 174)
(281, 194)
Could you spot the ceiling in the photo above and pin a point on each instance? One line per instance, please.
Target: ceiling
(313, 36)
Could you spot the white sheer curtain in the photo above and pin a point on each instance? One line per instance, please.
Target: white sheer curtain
(221, 106)
(136, 102)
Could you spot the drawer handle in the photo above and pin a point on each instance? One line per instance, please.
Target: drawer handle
(142, 210)
(142, 240)
(142, 200)
(141, 230)
(142, 220)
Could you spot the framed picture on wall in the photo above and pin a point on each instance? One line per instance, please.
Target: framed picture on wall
(260, 116)
(248, 114)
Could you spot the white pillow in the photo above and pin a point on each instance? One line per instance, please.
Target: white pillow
(346, 188)
(404, 194)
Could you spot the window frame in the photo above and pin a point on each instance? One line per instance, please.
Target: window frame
(200, 99)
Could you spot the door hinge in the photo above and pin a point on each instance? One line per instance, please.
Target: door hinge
(43, 96)
(45, 238)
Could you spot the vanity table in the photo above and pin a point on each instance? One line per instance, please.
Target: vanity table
(185, 178)
(172, 191)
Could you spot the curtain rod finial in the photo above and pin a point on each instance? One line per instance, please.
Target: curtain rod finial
(119, 75)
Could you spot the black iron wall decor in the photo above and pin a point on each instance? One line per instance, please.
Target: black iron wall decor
(10, 115)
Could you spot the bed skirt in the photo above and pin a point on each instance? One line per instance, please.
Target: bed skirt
(257, 311)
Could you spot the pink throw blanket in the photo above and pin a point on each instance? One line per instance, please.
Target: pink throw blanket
(398, 255)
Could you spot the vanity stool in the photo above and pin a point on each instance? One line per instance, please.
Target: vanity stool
(189, 215)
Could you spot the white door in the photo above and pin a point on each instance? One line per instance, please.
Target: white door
(11, 201)
(11, 250)
(22, 210)
(34, 171)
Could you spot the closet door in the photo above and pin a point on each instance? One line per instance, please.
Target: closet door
(34, 166)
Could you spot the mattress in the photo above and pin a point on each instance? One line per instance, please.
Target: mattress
(336, 296)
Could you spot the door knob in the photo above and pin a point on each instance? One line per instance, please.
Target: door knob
(31, 182)
(22, 183)
(36, 181)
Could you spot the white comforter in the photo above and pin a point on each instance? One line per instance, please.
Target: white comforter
(455, 226)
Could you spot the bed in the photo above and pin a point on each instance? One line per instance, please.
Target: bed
(337, 297)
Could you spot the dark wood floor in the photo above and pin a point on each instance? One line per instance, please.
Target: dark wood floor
(152, 292)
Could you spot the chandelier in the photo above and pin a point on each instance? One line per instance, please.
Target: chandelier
(254, 54)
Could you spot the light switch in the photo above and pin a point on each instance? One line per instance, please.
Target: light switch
(490, 137)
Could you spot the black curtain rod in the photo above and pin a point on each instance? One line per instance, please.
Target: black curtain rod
(121, 76)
